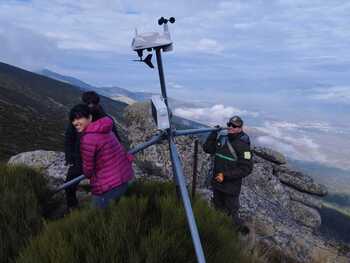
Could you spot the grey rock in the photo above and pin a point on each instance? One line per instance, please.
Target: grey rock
(266, 186)
(304, 198)
(52, 163)
(299, 181)
(305, 215)
(269, 154)
(155, 160)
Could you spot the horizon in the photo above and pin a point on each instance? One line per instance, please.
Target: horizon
(282, 65)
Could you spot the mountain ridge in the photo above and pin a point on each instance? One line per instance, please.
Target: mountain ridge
(33, 110)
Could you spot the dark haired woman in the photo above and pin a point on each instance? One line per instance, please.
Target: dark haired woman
(72, 148)
(105, 161)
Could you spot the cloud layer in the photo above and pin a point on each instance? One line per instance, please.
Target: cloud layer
(214, 115)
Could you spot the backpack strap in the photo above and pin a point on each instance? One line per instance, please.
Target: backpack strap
(232, 150)
(222, 140)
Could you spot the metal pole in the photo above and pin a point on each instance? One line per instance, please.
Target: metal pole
(69, 183)
(178, 172)
(161, 76)
(195, 161)
(155, 139)
(196, 131)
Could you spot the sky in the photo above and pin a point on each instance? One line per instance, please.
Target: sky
(281, 64)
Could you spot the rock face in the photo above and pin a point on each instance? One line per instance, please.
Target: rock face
(279, 204)
(155, 160)
(52, 163)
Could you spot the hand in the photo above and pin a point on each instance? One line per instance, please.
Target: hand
(219, 177)
(69, 164)
(217, 126)
(130, 157)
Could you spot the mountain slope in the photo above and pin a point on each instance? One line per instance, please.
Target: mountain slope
(33, 110)
(70, 80)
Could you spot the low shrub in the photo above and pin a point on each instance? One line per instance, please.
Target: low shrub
(23, 195)
(147, 225)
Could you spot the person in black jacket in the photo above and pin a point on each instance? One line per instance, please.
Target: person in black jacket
(232, 162)
(72, 146)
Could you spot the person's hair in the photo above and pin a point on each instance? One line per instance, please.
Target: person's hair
(79, 111)
(90, 97)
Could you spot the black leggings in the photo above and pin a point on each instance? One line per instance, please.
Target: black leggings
(71, 197)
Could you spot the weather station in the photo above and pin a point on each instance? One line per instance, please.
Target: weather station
(161, 112)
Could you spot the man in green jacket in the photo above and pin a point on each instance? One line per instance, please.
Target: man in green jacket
(232, 162)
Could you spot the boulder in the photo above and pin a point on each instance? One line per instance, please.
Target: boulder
(269, 155)
(308, 216)
(299, 181)
(50, 162)
(155, 160)
(304, 198)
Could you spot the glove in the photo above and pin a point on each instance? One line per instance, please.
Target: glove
(217, 126)
(219, 177)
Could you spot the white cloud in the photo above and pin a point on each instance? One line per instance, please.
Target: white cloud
(208, 45)
(25, 48)
(174, 85)
(217, 114)
(337, 94)
(297, 142)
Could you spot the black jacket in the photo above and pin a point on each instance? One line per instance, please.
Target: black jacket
(234, 168)
(72, 139)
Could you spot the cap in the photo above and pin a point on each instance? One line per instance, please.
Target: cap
(235, 121)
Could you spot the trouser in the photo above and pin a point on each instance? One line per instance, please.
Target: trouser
(71, 197)
(102, 201)
(228, 203)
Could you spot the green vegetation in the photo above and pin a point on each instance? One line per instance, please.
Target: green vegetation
(335, 222)
(148, 225)
(338, 199)
(23, 199)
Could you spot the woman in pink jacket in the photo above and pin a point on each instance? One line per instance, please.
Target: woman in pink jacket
(105, 161)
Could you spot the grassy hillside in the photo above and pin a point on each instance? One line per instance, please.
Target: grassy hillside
(33, 111)
(24, 201)
(148, 225)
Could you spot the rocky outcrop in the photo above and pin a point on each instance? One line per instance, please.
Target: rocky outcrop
(299, 181)
(50, 162)
(279, 203)
(155, 160)
(269, 155)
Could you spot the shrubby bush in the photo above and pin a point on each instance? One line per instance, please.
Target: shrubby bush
(147, 225)
(23, 198)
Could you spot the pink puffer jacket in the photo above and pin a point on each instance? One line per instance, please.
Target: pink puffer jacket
(105, 161)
